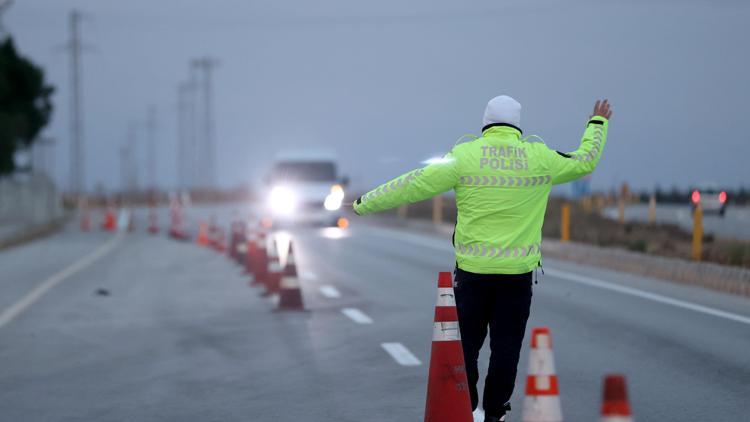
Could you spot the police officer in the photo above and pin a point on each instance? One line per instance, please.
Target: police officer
(502, 182)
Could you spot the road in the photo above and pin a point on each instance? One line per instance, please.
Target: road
(179, 336)
(735, 224)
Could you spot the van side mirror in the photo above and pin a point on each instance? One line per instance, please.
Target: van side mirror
(345, 181)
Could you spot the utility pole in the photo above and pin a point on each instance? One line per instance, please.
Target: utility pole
(184, 161)
(124, 168)
(206, 65)
(151, 148)
(77, 175)
(132, 162)
(195, 166)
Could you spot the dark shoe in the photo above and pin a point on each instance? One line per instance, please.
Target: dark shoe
(501, 418)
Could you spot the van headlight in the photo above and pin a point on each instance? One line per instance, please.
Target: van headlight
(335, 198)
(282, 200)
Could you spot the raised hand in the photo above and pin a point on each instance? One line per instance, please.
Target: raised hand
(601, 108)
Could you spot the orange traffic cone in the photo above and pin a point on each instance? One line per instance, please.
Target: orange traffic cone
(241, 248)
(233, 238)
(241, 245)
(272, 279)
(258, 259)
(110, 223)
(212, 231)
(447, 388)
(202, 239)
(251, 251)
(615, 405)
(542, 402)
(236, 238)
(290, 294)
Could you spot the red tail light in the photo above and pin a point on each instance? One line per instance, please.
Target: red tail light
(723, 197)
(696, 197)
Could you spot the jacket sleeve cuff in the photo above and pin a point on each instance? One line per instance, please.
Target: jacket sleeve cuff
(598, 120)
(357, 206)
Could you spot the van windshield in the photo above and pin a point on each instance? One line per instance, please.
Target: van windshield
(304, 171)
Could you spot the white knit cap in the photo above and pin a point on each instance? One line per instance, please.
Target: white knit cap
(503, 109)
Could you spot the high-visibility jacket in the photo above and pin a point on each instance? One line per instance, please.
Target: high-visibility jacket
(502, 183)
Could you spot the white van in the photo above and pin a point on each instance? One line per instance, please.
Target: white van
(305, 187)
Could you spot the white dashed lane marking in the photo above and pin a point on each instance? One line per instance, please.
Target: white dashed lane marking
(329, 292)
(356, 315)
(401, 354)
(309, 275)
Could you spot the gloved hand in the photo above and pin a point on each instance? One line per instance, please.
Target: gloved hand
(601, 108)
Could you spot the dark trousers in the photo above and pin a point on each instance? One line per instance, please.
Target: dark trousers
(502, 303)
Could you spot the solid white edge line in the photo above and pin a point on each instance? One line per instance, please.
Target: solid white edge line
(329, 292)
(357, 316)
(401, 354)
(9, 314)
(593, 282)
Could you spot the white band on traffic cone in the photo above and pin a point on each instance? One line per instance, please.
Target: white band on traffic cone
(542, 409)
(446, 297)
(272, 252)
(446, 331)
(541, 362)
(289, 282)
(274, 266)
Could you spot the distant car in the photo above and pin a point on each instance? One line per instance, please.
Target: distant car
(711, 199)
(304, 187)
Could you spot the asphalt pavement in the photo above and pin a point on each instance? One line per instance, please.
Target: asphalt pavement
(96, 326)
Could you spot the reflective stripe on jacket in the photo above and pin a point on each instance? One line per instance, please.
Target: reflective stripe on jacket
(502, 184)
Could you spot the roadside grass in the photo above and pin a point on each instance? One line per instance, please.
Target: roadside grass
(589, 226)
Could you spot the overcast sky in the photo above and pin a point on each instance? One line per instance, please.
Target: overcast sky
(387, 84)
